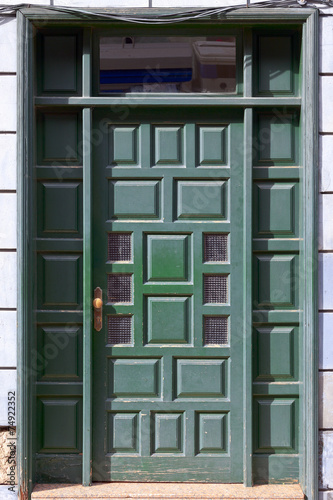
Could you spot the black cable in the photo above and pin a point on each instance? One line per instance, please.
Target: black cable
(167, 18)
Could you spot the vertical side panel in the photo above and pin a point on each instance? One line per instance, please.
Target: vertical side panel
(87, 292)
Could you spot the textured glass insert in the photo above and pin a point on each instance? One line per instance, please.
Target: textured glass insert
(216, 247)
(215, 289)
(120, 288)
(216, 330)
(119, 329)
(119, 247)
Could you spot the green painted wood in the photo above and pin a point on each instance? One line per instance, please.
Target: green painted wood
(25, 412)
(60, 56)
(259, 15)
(309, 477)
(87, 294)
(58, 137)
(146, 394)
(277, 62)
(286, 317)
(270, 466)
(247, 290)
(67, 468)
(158, 100)
(276, 389)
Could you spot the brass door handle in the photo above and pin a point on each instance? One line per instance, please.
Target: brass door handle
(98, 309)
(97, 303)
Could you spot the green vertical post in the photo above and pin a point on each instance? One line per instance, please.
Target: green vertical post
(87, 283)
(87, 294)
(24, 258)
(247, 255)
(310, 255)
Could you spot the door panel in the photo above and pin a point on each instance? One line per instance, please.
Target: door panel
(168, 255)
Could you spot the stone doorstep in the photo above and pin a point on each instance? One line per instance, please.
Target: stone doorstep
(166, 491)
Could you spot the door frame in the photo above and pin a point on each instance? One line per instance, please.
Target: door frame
(28, 19)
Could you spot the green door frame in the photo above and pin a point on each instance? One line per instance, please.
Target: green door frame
(30, 18)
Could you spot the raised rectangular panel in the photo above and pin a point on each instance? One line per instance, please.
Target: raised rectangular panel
(325, 460)
(275, 281)
(8, 166)
(326, 44)
(60, 282)
(8, 46)
(169, 146)
(202, 200)
(7, 384)
(325, 341)
(275, 421)
(202, 378)
(325, 400)
(124, 146)
(212, 146)
(8, 109)
(123, 432)
(60, 351)
(8, 280)
(60, 422)
(275, 353)
(326, 221)
(169, 320)
(8, 339)
(276, 142)
(212, 433)
(168, 257)
(325, 273)
(8, 215)
(59, 63)
(325, 162)
(60, 206)
(134, 199)
(276, 211)
(275, 59)
(135, 378)
(325, 103)
(58, 138)
(167, 432)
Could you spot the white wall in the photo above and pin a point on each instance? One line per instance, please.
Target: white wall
(8, 289)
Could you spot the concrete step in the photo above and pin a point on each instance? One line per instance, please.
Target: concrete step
(166, 491)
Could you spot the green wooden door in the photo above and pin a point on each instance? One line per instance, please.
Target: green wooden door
(167, 253)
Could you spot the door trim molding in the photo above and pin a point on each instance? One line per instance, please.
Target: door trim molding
(27, 19)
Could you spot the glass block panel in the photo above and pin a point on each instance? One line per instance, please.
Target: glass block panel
(120, 247)
(215, 289)
(120, 288)
(215, 330)
(119, 330)
(177, 64)
(216, 247)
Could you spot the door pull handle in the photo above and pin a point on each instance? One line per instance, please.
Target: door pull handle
(98, 309)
